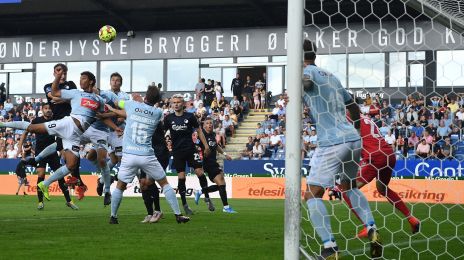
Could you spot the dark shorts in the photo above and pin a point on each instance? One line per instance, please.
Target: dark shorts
(381, 169)
(212, 170)
(192, 158)
(52, 160)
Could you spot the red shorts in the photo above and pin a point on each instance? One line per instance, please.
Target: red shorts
(380, 168)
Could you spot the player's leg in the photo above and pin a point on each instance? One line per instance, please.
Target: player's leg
(105, 171)
(146, 196)
(392, 197)
(322, 174)
(349, 154)
(127, 171)
(20, 183)
(54, 163)
(47, 151)
(40, 170)
(221, 184)
(179, 164)
(195, 162)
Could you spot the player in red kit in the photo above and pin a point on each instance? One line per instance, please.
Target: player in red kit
(378, 161)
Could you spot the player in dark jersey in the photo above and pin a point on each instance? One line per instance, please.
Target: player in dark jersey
(53, 160)
(181, 126)
(60, 109)
(211, 167)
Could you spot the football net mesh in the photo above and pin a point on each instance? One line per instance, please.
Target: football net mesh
(409, 57)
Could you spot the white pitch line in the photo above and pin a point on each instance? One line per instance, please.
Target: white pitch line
(420, 241)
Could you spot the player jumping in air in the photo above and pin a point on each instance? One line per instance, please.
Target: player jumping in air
(378, 161)
(53, 160)
(84, 106)
(138, 154)
(181, 126)
(338, 150)
(210, 165)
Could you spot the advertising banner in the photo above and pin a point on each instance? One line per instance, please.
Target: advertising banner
(428, 169)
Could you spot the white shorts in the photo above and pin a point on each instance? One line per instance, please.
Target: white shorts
(98, 138)
(329, 162)
(67, 130)
(115, 142)
(131, 164)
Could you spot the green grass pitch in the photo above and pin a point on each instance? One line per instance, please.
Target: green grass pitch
(256, 232)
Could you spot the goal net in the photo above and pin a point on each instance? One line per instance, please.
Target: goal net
(403, 62)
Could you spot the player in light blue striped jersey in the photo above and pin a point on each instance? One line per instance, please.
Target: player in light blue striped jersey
(138, 154)
(338, 152)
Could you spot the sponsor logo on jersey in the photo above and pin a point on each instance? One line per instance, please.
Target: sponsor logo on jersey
(186, 121)
(179, 127)
(90, 104)
(143, 111)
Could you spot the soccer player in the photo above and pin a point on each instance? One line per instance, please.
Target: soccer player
(85, 104)
(210, 165)
(138, 154)
(98, 134)
(53, 160)
(61, 109)
(378, 161)
(181, 126)
(338, 150)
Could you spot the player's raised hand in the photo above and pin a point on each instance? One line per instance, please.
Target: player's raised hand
(228, 157)
(108, 107)
(119, 131)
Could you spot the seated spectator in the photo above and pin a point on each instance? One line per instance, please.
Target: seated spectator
(227, 109)
(190, 108)
(423, 122)
(3, 111)
(228, 125)
(234, 102)
(259, 129)
(413, 140)
(11, 153)
(428, 138)
(423, 149)
(214, 105)
(220, 135)
(248, 152)
(234, 118)
(456, 133)
(418, 129)
(368, 99)
(257, 150)
(238, 111)
(374, 108)
(443, 131)
(432, 130)
(399, 116)
(411, 115)
(460, 114)
(383, 130)
(446, 150)
(447, 120)
(281, 121)
(245, 105)
(265, 141)
(453, 106)
(400, 145)
(8, 105)
(197, 102)
(390, 138)
(433, 121)
(222, 103)
(201, 110)
(275, 141)
(364, 108)
(269, 130)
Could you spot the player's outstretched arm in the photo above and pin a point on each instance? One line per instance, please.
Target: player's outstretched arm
(203, 140)
(56, 91)
(119, 112)
(219, 149)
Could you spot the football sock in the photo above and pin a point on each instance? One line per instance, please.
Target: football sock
(348, 202)
(211, 188)
(396, 201)
(110, 164)
(60, 173)
(182, 191)
(49, 150)
(148, 201)
(16, 124)
(320, 220)
(204, 184)
(116, 198)
(171, 198)
(76, 173)
(156, 196)
(361, 206)
(39, 192)
(106, 178)
(223, 194)
(64, 189)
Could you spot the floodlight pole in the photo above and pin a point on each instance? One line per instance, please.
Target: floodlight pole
(293, 134)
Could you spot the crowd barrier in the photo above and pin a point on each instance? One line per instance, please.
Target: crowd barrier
(430, 181)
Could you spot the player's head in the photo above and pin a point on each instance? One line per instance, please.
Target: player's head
(177, 101)
(153, 95)
(87, 81)
(208, 125)
(115, 82)
(47, 110)
(310, 50)
(62, 67)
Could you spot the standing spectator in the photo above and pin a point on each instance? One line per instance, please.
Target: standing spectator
(237, 86)
(256, 99)
(423, 149)
(262, 96)
(200, 88)
(248, 88)
(453, 106)
(435, 101)
(218, 90)
(281, 101)
(368, 100)
(208, 94)
(2, 93)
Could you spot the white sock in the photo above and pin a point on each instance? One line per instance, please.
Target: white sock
(58, 174)
(171, 198)
(116, 198)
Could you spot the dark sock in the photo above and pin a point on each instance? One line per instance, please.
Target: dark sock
(64, 189)
(148, 201)
(204, 185)
(156, 196)
(182, 190)
(223, 194)
(211, 188)
(77, 173)
(39, 192)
